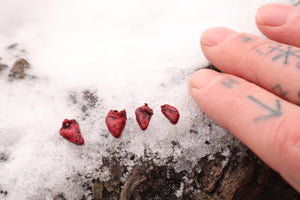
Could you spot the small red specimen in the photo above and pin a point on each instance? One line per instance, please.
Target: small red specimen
(70, 131)
(143, 115)
(115, 122)
(171, 113)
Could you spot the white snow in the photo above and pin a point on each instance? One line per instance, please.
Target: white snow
(126, 53)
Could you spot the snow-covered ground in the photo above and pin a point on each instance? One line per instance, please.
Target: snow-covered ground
(124, 53)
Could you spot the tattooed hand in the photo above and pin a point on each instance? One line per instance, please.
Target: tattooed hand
(257, 96)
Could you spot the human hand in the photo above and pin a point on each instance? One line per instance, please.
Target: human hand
(257, 96)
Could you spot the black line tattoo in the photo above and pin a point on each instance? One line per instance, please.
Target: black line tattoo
(229, 83)
(279, 88)
(272, 112)
(245, 38)
(282, 51)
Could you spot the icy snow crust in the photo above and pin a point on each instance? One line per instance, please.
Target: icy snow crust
(126, 53)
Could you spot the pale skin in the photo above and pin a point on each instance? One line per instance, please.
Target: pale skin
(257, 96)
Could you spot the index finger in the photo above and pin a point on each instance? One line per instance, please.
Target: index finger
(267, 124)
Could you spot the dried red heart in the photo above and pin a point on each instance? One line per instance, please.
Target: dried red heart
(70, 131)
(143, 115)
(115, 122)
(171, 113)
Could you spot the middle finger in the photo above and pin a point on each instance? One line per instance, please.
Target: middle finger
(269, 64)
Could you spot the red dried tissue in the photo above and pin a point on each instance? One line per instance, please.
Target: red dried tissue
(115, 122)
(171, 113)
(70, 131)
(143, 115)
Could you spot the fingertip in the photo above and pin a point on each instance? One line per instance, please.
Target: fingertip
(279, 22)
(275, 14)
(199, 81)
(202, 78)
(216, 35)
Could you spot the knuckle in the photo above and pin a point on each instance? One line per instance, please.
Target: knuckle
(280, 138)
(286, 140)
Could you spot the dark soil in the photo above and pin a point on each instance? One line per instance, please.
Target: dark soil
(238, 178)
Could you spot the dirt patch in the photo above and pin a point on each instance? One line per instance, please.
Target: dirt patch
(237, 177)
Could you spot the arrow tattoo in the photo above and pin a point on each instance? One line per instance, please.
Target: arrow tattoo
(272, 112)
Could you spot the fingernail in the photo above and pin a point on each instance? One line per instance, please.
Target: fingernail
(202, 78)
(276, 14)
(215, 36)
